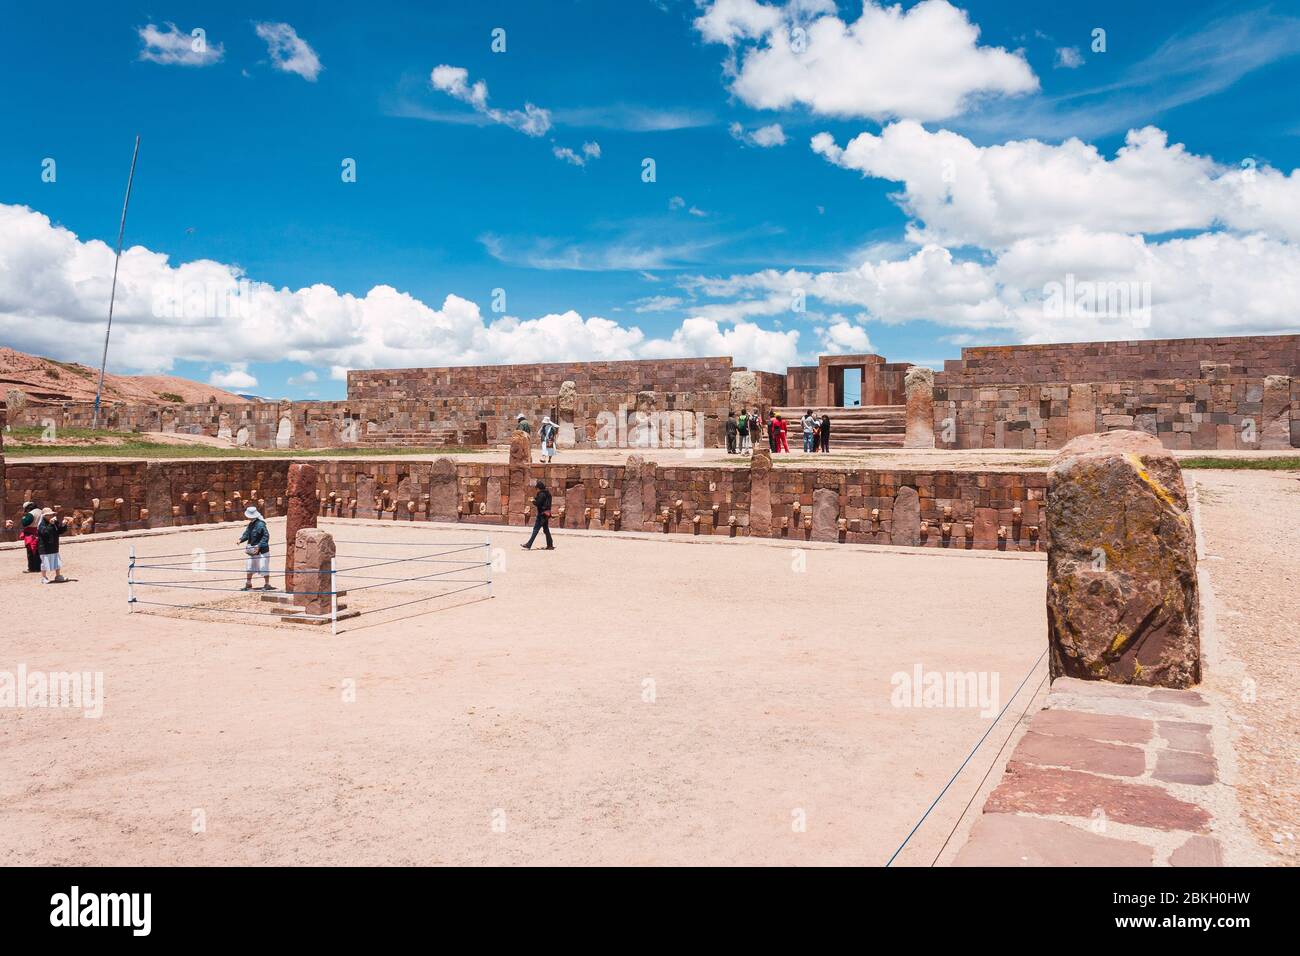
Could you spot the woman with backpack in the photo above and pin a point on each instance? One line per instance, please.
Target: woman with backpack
(257, 551)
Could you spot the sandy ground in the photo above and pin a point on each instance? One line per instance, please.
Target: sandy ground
(1248, 525)
(623, 699)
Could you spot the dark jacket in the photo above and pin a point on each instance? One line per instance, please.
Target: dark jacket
(257, 535)
(48, 536)
(542, 501)
(732, 427)
(826, 425)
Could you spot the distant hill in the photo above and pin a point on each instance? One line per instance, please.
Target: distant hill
(46, 381)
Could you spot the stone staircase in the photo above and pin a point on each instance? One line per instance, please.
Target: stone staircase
(859, 427)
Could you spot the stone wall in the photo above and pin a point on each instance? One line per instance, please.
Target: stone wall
(1253, 356)
(1220, 414)
(660, 375)
(940, 509)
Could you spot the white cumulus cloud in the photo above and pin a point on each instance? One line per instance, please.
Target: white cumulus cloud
(289, 52)
(923, 63)
(171, 46)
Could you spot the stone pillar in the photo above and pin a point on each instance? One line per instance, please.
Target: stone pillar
(631, 501)
(521, 488)
(301, 510)
(313, 550)
(566, 407)
(919, 384)
(1275, 430)
(825, 515)
(905, 527)
(1081, 411)
(158, 494)
(1122, 598)
(760, 491)
(442, 490)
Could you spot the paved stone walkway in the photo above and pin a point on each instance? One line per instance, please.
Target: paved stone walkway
(1107, 775)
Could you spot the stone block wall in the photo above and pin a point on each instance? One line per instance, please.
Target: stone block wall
(660, 375)
(1253, 356)
(940, 509)
(1222, 414)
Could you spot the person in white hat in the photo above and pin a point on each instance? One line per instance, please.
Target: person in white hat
(257, 549)
(521, 423)
(47, 535)
(547, 434)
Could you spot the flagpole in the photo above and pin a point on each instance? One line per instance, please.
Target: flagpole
(112, 295)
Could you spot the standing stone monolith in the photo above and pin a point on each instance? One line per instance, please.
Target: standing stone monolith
(1275, 431)
(302, 508)
(906, 518)
(1122, 597)
(442, 490)
(919, 385)
(825, 515)
(760, 491)
(313, 552)
(631, 502)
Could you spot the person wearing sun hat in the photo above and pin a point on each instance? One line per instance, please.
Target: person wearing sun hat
(48, 532)
(548, 433)
(257, 549)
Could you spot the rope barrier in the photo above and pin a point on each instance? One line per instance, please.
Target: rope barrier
(977, 746)
(443, 576)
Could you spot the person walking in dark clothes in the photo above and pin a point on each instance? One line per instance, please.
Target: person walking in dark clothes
(826, 433)
(542, 502)
(31, 544)
(733, 431)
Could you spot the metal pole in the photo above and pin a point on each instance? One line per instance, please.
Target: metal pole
(112, 295)
(488, 545)
(334, 602)
(130, 583)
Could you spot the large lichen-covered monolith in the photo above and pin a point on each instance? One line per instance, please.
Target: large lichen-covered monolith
(301, 510)
(760, 491)
(313, 551)
(919, 385)
(1275, 431)
(631, 501)
(1122, 602)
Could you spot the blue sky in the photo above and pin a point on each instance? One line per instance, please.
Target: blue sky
(243, 144)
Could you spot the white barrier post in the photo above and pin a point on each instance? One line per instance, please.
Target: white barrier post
(130, 583)
(334, 601)
(487, 546)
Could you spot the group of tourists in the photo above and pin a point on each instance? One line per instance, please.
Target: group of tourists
(741, 432)
(41, 530)
(548, 433)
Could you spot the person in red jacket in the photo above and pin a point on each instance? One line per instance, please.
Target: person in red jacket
(31, 542)
(781, 439)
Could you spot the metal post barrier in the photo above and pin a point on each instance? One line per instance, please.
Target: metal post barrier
(130, 583)
(334, 601)
(487, 545)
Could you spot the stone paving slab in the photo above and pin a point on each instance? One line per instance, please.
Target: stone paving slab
(1105, 775)
(1011, 839)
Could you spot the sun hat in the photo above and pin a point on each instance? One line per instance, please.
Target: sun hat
(520, 416)
(251, 512)
(47, 512)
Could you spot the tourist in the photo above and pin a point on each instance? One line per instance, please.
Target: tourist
(742, 431)
(732, 432)
(521, 424)
(541, 502)
(547, 434)
(825, 433)
(257, 551)
(31, 544)
(782, 442)
(47, 533)
(809, 425)
(774, 431)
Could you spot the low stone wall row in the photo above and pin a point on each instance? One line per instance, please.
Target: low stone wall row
(466, 421)
(1215, 414)
(941, 509)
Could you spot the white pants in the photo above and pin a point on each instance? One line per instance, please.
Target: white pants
(258, 564)
(50, 562)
